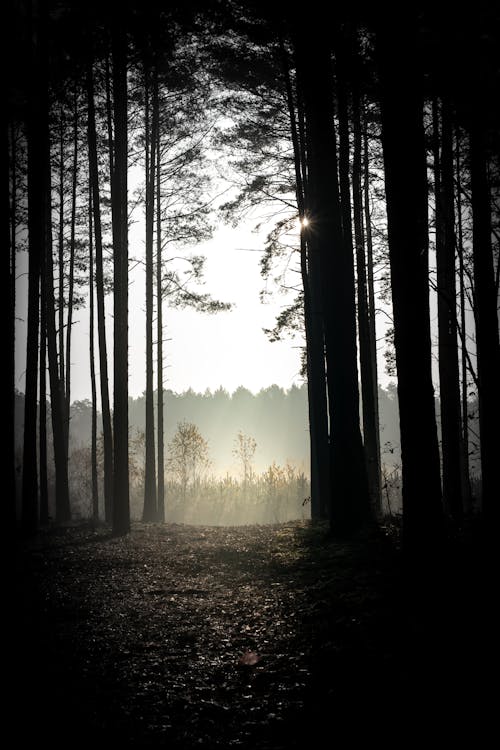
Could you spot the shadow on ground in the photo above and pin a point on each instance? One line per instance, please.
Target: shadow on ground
(252, 637)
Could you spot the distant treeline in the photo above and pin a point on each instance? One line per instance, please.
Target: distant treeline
(276, 418)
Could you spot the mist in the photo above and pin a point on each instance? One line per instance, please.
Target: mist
(270, 485)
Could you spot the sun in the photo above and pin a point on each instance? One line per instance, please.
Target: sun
(304, 222)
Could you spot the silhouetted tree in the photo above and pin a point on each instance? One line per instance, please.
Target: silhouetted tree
(150, 511)
(121, 502)
(367, 360)
(350, 505)
(313, 318)
(38, 166)
(101, 316)
(9, 159)
(42, 425)
(57, 395)
(159, 340)
(93, 389)
(466, 484)
(370, 301)
(447, 319)
(486, 300)
(406, 196)
(71, 265)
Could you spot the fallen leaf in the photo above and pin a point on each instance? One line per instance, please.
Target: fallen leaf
(249, 659)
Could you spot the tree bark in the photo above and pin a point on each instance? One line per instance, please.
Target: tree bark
(100, 300)
(93, 446)
(37, 130)
(487, 339)
(313, 325)
(109, 115)
(57, 396)
(71, 273)
(159, 330)
(368, 376)
(372, 328)
(150, 508)
(121, 501)
(466, 484)
(449, 384)
(406, 196)
(42, 420)
(9, 269)
(350, 503)
(61, 247)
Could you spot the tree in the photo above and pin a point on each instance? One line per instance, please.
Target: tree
(447, 319)
(121, 501)
(486, 297)
(9, 153)
(101, 317)
(406, 196)
(371, 311)
(93, 388)
(188, 455)
(42, 426)
(313, 319)
(178, 176)
(71, 269)
(37, 170)
(268, 164)
(150, 511)
(159, 343)
(244, 450)
(57, 395)
(350, 505)
(466, 484)
(365, 303)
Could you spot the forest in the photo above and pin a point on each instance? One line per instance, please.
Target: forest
(314, 549)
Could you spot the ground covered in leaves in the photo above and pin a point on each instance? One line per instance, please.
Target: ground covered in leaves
(260, 637)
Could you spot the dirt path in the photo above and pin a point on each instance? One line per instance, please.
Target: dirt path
(188, 637)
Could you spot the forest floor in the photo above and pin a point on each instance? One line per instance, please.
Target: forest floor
(260, 637)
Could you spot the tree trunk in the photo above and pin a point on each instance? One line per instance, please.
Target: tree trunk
(372, 328)
(93, 447)
(368, 377)
(109, 115)
(150, 509)
(406, 196)
(121, 502)
(38, 165)
(57, 396)
(449, 385)
(350, 505)
(9, 272)
(487, 340)
(42, 420)
(466, 485)
(61, 246)
(71, 274)
(159, 331)
(313, 325)
(101, 313)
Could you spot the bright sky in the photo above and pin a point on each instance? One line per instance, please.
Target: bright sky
(228, 348)
(201, 351)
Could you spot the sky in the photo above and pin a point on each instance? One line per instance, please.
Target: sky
(202, 351)
(227, 349)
